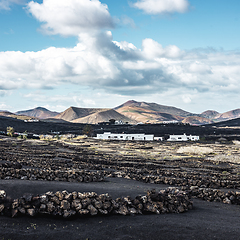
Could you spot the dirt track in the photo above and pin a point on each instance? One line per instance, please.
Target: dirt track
(207, 220)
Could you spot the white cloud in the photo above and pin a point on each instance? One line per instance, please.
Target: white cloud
(98, 62)
(3, 106)
(153, 49)
(201, 68)
(6, 4)
(162, 6)
(71, 17)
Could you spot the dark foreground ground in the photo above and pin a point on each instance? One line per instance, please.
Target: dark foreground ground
(205, 221)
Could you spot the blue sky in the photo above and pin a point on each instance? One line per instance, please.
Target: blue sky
(90, 53)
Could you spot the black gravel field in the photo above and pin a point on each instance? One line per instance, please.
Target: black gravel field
(24, 164)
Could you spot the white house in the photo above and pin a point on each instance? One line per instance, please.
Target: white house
(183, 137)
(32, 120)
(158, 138)
(124, 136)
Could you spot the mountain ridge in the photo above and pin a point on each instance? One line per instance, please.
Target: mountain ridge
(131, 111)
(38, 112)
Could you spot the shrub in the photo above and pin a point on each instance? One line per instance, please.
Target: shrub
(10, 131)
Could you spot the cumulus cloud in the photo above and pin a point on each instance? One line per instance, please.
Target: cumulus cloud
(163, 6)
(153, 49)
(6, 4)
(121, 68)
(71, 17)
(201, 68)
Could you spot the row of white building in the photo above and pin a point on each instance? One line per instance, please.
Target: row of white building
(144, 137)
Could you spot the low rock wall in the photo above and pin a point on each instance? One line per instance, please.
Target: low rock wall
(52, 175)
(174, 179)
(216, 195)
(65, 204)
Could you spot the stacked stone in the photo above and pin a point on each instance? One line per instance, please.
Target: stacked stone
(179, 179)
(53, 175)
(216, 195)
(65, 204)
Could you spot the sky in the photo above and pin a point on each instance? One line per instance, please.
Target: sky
(97, 54)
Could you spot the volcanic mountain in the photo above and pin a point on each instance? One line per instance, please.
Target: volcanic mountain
(130, 111)
(154, 107)
(12, 115)
(73, 113)
(151, 112)
(6, 113)
(195, 120)
(209, 114)
(103, 116)
(228, 115)
(39, 112)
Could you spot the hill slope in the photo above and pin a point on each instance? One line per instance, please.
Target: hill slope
(195, 120)
(228, 115)
(12, 115)
(209, 114)
(151, 112)
(103, 116)
(39, 112)
(73, 113)
(154, 107)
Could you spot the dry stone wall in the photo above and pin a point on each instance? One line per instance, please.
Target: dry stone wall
(178, 178)
(215, 195)
(76, 204)
(51, 175)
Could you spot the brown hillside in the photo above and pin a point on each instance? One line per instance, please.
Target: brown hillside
(154, 107)
(140, 114)
(228, 115)
(39, 112)
(5, 113)
(209, 114)
(73, 113)
(12, 115)
(195, 120)
(103, 116)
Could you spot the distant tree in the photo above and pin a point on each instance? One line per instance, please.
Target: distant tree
(10, 131)
(88, 130)
(112, 121)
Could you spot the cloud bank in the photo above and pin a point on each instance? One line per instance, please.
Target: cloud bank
(71, 17)
(119, 67)
(162, 6)
(110, 67)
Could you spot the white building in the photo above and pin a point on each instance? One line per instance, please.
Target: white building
(183, 137)
(158, 138)
(32, 120)
(168, 122)
(124, 136)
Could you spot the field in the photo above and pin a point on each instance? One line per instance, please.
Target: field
(208, 171)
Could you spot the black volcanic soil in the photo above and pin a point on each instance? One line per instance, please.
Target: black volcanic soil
(207, 220)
